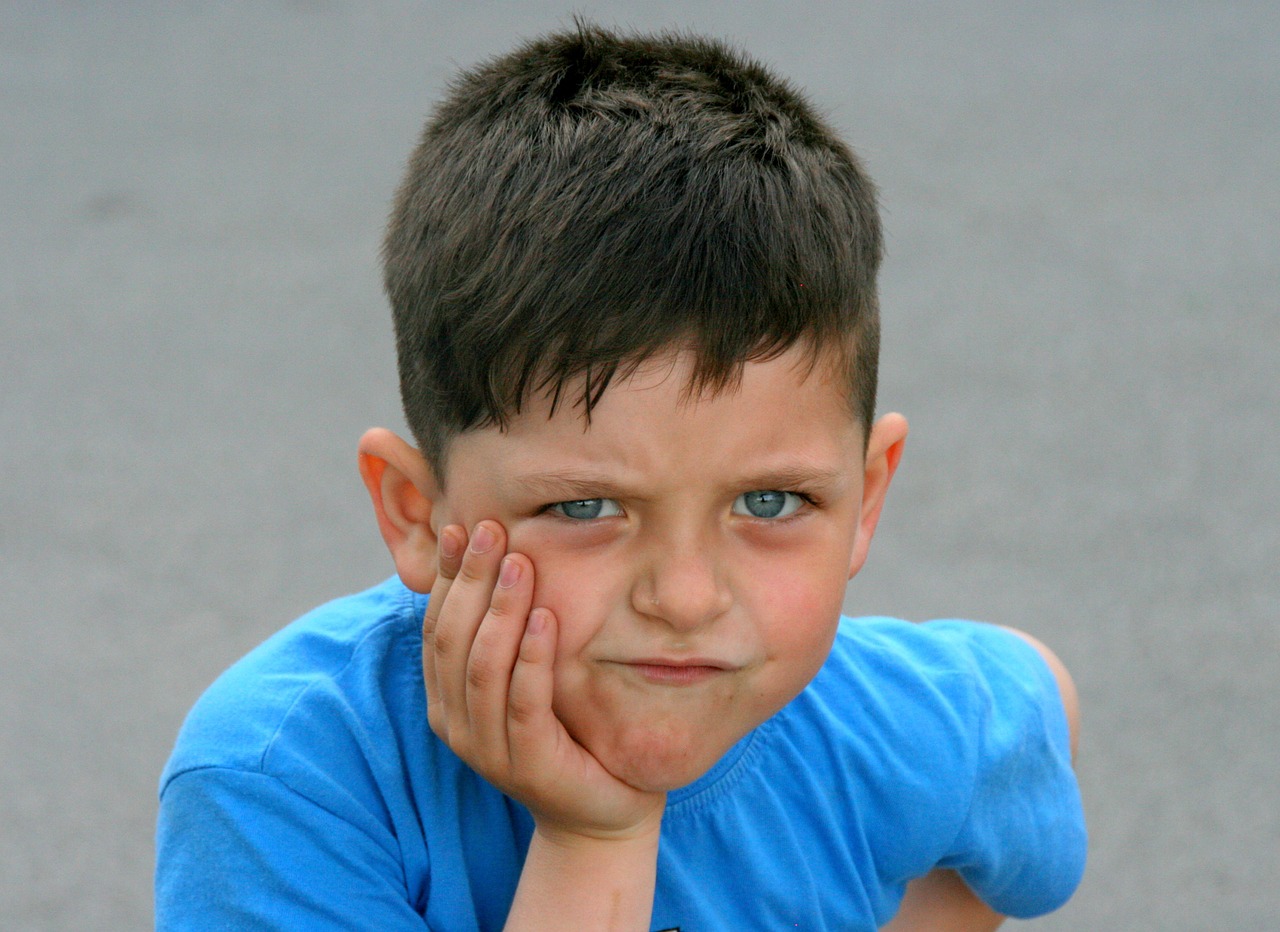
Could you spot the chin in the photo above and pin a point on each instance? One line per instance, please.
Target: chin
(651, 779)
(659, 764)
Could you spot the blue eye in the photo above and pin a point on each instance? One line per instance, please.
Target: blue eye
(768, 503)
(587, 509)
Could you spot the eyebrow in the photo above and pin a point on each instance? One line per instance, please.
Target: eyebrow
(794, 477)
(565, 484)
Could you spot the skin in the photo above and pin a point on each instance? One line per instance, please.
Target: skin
(586, 665)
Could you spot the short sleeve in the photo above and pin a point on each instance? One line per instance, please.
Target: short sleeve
(242, 850)
(1022, 844)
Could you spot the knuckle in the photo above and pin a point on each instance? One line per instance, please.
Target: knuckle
(522, 708)
(442, 643)
(474, 569)
(502, 604)
(481, 673)
(429, 622)
(464, 750)
(439, 723)
(531, 652)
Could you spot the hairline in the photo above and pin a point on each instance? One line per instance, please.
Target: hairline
(840, 370)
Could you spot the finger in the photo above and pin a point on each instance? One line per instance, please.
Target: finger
(469, 597)
(532, 728)
(453, 540)
(493, 657)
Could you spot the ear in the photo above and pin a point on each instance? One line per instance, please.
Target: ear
(403, 490)
(884, 450)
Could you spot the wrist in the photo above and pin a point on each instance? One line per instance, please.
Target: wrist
(573, 880)
(569, 838)
(596, 850)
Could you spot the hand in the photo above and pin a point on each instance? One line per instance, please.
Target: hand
(487, 659)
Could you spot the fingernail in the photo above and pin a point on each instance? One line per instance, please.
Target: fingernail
(482, 539)
(509, 575)
(449, 545)
(537, 621)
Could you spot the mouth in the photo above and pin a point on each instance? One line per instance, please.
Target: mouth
(682, 672)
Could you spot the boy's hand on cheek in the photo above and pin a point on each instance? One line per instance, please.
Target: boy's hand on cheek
(487, 658)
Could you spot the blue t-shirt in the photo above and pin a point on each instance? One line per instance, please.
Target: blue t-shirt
(307, 790)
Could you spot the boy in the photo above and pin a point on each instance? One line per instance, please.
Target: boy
(633, 282)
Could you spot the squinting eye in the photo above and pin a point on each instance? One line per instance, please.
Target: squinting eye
(587, 508)
(767, 504)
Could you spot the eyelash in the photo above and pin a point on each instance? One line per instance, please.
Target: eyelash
(808, 502)
(551, 509)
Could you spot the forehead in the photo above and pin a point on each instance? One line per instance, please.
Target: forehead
(786, 415)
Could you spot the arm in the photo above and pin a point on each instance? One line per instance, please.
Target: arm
(487, 661)
(1066, 687)
(583, 883)
(241, 849)
(941, 901)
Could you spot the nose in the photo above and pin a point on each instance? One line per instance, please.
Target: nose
(682, 584)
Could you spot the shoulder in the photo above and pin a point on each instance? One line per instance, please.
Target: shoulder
(943, 645)
(942, 670)
(897, 710)
(333, 664)
(961, 688)
(965, 729)
(308, 767)
(1067, 692)
(947, 664)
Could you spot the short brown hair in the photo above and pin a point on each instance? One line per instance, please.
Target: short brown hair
(590, 199)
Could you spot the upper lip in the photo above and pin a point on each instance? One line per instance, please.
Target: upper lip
(681, 662)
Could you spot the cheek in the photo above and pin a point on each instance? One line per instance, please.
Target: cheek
(578, 584)
(797, 604)
(799, 578)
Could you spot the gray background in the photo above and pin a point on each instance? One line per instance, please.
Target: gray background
(1081, 320)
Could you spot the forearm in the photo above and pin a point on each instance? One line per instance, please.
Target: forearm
(942, 902)
(586, 883)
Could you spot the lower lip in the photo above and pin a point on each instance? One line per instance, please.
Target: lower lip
(666, 675)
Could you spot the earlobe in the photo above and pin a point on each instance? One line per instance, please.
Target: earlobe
(402, 490)
(884, 452)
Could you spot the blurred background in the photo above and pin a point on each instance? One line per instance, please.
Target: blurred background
(1081, 320)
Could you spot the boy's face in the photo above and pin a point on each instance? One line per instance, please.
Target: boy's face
(694, 552)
